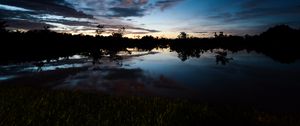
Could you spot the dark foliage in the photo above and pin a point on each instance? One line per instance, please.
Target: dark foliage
(279, 42)
(24, 106)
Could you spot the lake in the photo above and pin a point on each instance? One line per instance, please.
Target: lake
(215, 75)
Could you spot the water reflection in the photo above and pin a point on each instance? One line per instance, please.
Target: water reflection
(8, 72)
(120, 81)
(126, 57)
(222, 58)
(242, 76)
(250, 77)
(2, 78)
(39, 66)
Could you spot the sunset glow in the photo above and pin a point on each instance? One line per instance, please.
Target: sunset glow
(160, 18)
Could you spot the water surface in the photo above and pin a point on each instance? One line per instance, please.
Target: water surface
(215, 76)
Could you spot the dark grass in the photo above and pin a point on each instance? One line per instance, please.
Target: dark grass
(24, 106)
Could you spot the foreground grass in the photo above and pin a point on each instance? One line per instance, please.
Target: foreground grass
(24, 106)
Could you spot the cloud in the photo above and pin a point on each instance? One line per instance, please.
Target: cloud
(222, 15)
(115, 27)
(144, 29)
(202, 32)
(252, 3)
(164, 4)
(250, 16)
(127, 12)
(12, 8)
(253, 10)
(120, 8)
(15, 18)
(129, 8)
(268, 11)
(80, 15)
(129, 3)
(106, 8)
(32, 14)
(89, 8)
(57, 7)
(25, 24)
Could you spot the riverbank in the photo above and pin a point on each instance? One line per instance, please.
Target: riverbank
(33, 106)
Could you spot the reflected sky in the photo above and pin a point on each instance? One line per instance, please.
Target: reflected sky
(248, 77)
(13, 71)
(168, 63)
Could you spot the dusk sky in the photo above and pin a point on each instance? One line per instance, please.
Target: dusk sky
(163, 18)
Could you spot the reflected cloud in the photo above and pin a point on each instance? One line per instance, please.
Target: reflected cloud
(118, 81)
(162, 74)
(3, 78)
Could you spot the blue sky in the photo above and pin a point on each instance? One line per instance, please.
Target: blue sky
(155, 17)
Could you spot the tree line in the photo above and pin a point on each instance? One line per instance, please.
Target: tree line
(280, 42)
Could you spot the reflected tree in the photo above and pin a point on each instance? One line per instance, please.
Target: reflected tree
(96, 55)
(39, 66)
(222, 58)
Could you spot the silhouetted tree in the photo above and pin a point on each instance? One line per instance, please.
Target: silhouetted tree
(119, 33)
(41, 45)
(116, 35)
(247, 36)
(183, 35)
(3, 26)
(280, 32)
(137, 36)
(148, 37)
(46, 28)
(221, 34)
(100, 29)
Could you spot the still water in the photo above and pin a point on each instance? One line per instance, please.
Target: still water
(214, 76)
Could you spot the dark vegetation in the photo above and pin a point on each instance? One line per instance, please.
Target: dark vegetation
(28, 106)
(279, 42)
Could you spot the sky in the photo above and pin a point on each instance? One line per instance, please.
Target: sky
(161, 18)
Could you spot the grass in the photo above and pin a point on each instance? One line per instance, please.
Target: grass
(24, 106)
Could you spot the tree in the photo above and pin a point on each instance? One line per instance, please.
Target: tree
(148, 37)
(183, 35)
(3, 26)
(46, 28)
(137, 36)
(100, 29)
(221, 34)
(121, 30)
(119, 33)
